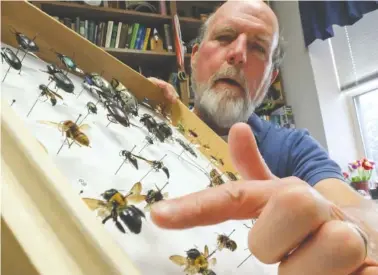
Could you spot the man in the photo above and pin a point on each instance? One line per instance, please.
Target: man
(328, 229)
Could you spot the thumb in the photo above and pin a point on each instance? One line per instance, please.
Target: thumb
(245, 155)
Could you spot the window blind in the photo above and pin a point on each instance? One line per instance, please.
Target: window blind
(355, 51)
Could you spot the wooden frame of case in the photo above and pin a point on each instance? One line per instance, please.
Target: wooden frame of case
(54, 229)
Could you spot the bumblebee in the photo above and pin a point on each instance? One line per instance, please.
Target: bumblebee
(154, 196)
(72, 131)
(116, 205)
(215, 178)
(195, 262)
(224, 241)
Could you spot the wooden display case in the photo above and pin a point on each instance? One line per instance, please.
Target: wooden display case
(56, 231)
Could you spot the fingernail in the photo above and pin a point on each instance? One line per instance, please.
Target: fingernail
(163, 208)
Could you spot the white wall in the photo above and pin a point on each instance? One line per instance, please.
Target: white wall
(297, 75)
(310, 83)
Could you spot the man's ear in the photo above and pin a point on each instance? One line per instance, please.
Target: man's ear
(274, 76)
(194, 51)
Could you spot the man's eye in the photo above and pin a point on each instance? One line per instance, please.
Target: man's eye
(257, 47)
(224, 38)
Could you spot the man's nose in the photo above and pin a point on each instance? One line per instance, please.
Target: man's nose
(237, 55)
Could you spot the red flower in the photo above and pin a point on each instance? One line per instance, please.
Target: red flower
(367, 165)
(346, 175)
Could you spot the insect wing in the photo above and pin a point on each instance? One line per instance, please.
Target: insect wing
(166, 171)
(136, 198)
(179, 260)
(165, 195)
(133, 161)
(136, 189)
(94, 204)
(58, 95)
(84, 127)
(51, 123)
(213, 262)
(206, 251)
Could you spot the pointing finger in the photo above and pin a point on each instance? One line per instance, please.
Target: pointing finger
(245, 154)
(168, 89)
(234, 200)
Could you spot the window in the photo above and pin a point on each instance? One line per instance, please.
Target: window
(355, 53)
(367, 111)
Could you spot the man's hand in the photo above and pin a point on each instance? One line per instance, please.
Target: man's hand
(168, 89)
(296, 225)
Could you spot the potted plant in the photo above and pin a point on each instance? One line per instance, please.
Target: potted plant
(360, 174)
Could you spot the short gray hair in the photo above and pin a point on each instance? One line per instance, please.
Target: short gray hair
(278, 53)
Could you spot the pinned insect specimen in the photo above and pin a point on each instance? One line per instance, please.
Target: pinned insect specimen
(149, 140)
(125, 98)
(186, 147)
(116, 114)
(128, 157)
(215, 178)
(149, 122)
(72, 131)
(106, 88)
(116, 205)
(91, 108)
(163, 131)
(154, 196)
(195, 261)
(24, 43)
(11, 58)
(156, 165)
(68, 62)
(181, 128)
(192, 133)
(49, 94)
(206, 146)
(224, 241)
(249, 256)
(61, 80)
(231, 176)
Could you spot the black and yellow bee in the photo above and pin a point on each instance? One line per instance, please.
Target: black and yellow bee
(117, 205)
(195, 262)
(224, 241)
(154, 196)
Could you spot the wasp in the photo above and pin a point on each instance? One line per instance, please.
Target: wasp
(224, 241)
(130, 157)
(186, 147)
(61, 80)
(153, 196)
(49, 94)
(215, 178)
(72, 131)
(155, 164)
(195, 262)
(115, 205)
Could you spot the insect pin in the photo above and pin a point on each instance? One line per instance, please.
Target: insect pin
(115, 205)
(224, 241)
(91, 109)
(154, 196)
(12, 60)
(195, 262)
(49, 94)
(72, 131)
(155, 165)
(149, 141)
(128, 157)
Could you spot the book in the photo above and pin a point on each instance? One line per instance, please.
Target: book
(134, 35)
(113, 36)
(146, 39)
(118, 36)
(86, 29)
(129, 35)
(123, 36)
(82, 28)
(163, 7)
(139, 37)
(109, 33)
(168, 38)
(77, 24)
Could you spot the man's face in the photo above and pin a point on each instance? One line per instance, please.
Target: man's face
(232, 68)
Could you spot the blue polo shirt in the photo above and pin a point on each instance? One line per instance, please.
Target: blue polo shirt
(293, 152)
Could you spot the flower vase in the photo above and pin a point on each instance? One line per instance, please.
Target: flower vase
(361, 185)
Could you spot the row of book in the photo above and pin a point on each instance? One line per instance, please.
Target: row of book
(118, 34)
(282, 117)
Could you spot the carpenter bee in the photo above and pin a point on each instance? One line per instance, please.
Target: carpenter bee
(49, 94)
(155, 164)
(195, 261)
(116, 114)
(186, 147)
(215, 178)
(224, 241)
(130, 157)
(116, 205)
(72, 131)
(154, 196)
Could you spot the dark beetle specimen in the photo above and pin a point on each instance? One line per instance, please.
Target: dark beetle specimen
(149, 122)
(117, 114)
(11, 58)
(67, 61)
(92, 108)
(61, 80)
(25, 42)
(186, 147)
(164, 130)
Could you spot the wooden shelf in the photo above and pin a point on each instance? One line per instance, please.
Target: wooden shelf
(72, 10)
(144, 58)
